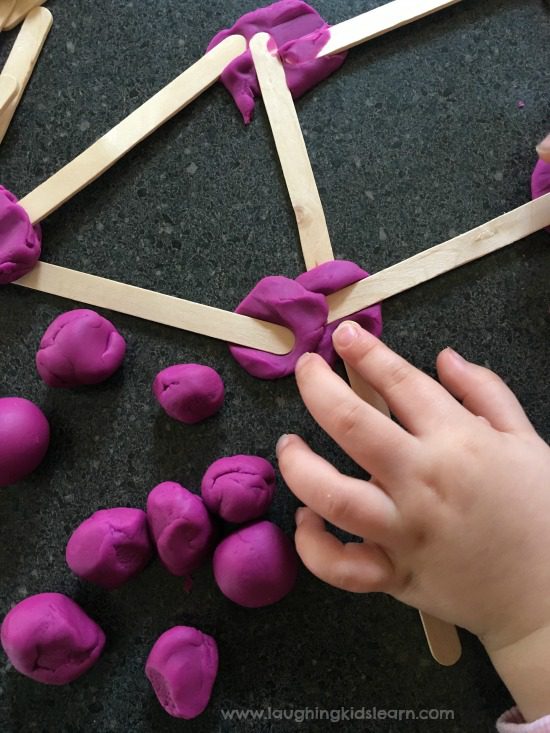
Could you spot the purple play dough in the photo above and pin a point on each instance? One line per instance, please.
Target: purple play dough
(181, 527)
(286, 21)
(189, 392)
(50, 639)
(182, 669)
(110, 547)
(256, 565)
(280, 300)
(239, 488)
(20, 241)
(79, 347)
(301, 306)
(328, 278)
(540, 180)
(24, 438)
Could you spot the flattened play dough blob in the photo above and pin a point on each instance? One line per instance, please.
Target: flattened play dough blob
(181, 527)
(239, 488)
(328, 278)
(79, 347)
(285, 21)
(189, 392)
(182, 669)
(540, 181)
(20, 241)
(280, 300)
(50, 639)
(24, 438)
(256, 565)
(110, 547)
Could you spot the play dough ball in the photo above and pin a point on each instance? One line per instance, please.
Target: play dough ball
(20, 241)
(181, 527)
(110, 547)
(189, 392)
(256, 565)
(24, 438)
(182, 669)
(50, 639)
(80, 347)
(239, 488)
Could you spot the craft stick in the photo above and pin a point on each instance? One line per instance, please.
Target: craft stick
(8, 90)
(289, 141)
(141, 123)
(485, 239)
(6, 6)
(376, 22)
(152, 306)
(23, 57)
(443, 640)
(20, 9)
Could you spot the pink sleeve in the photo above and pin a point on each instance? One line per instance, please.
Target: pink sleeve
(513, 722)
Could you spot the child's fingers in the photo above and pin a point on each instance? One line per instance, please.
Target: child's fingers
(374, 441)
(543, 149)
(482, 392)
(418, 401)
(355, 567)
(354, 505)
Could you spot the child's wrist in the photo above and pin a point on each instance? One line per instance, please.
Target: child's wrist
(524, 667)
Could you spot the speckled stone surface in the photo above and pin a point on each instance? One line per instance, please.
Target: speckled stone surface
(419, 137)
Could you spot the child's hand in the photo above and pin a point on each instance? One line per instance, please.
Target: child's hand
(456, 521)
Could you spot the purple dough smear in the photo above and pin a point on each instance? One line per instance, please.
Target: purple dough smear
(181, 527)
(287, 21)
(110, 547)
(20, 241)
(182, 669)
(280, 300)
(50, 639)
(239, 488)
(328, 278)
(79, 347)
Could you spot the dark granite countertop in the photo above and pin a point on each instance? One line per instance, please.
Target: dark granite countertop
(420, 136)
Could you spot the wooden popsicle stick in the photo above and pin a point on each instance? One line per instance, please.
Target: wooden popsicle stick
(312, 227)
(6, 6)
(8, 90)
(442, 638)
(485, 239)
(165, 309)
(376, 22)
(20, 10)
(23, 57)
(142, 122)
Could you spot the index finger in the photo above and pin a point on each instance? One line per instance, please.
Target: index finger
(419, 402)
(372, 439)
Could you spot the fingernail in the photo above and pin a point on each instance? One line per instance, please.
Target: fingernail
(299, 516)
(282, 443)
(345, 334)
(302, 361)
(456, 356)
